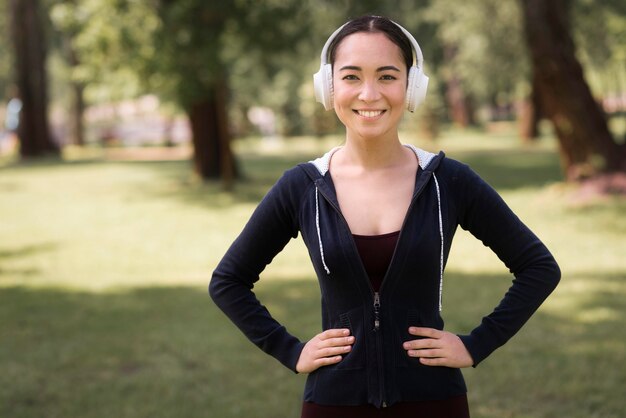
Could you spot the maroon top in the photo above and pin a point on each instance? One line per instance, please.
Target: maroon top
(376, 252)
(449, 408)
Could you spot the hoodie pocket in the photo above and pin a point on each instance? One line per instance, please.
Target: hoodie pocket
(355, 358)
(412, 318)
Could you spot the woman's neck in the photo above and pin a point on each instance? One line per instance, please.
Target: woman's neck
(373, 154)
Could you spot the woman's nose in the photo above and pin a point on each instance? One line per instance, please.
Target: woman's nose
(369, 92)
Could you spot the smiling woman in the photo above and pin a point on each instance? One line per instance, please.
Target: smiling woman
(378, 218)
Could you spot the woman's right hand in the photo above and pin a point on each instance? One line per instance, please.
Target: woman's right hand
(324, 349)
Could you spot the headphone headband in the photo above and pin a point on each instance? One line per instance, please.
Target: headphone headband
(418, 58)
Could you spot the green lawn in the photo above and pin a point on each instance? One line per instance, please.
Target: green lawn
(104, 312)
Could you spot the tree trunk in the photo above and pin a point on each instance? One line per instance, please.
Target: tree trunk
(459, 106)
(565, 97)
(77, 129)
(78, 110)
(529, 115)
(213, 157)
(30, 55)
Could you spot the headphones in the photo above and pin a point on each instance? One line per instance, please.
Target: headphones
(416, 87)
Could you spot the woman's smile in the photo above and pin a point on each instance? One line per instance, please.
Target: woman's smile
(369, 114)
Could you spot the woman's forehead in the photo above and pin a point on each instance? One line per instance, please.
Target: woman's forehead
(367, 47)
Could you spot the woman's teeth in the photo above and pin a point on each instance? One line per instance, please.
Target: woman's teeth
(369, 113)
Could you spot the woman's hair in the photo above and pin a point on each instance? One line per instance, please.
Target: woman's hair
(374, 24)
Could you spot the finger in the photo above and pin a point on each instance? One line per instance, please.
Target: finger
(326, 361)
(425, 332)
(334, 333)
(435, 353)
(336, 342)
(438, 361)
(421, 344)
(333, 351)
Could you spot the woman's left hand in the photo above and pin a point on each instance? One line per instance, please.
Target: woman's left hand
(438, 348)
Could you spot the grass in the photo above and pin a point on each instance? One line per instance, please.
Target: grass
(104, 312)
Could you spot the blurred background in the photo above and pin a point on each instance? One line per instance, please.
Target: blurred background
(136, 138)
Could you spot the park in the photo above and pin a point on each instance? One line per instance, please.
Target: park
(110, 228)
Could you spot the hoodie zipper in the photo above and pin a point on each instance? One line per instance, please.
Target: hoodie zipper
(376, 295)
(376, 311)
(379, 349)
(377, 304)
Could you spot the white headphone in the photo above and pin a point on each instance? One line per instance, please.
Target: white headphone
(416, 87)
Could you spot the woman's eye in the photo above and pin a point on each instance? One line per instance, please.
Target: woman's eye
(350, 77)
(387, 77)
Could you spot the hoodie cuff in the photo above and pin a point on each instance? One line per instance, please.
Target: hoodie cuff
(478, 351)
(284, 347)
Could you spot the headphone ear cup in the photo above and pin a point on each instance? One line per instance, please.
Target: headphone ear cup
(323, 86)
(411, 88)
(416, 88)
(329, 86)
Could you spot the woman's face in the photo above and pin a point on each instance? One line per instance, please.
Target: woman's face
(369, 83)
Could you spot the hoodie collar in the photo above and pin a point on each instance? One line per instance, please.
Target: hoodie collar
(425, 159)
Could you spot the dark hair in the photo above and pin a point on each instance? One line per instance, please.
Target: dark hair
(374, 24)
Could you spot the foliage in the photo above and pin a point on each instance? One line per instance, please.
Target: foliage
(110, 38)
(600, 34)
(269, 49)
(5, 52)
(486, 39)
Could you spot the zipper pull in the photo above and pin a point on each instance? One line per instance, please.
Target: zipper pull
(376, 311)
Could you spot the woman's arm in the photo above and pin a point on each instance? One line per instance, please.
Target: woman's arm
(271, 226)
(485, 214)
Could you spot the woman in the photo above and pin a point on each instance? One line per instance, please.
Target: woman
(378, 218)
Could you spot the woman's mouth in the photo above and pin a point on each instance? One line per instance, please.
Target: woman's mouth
(369, 113)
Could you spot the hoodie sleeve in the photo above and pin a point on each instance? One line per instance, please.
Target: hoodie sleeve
(485, 214)
(273, 223)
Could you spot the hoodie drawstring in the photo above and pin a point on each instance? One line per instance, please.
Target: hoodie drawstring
(319, 233)
(441, 238)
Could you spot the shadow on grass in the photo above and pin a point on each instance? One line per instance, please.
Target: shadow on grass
(26, 250)
(157, 352)
(514, 169)
(503, 169)
(169, 352)
(45, 163)
(8, 255)
(177, 180)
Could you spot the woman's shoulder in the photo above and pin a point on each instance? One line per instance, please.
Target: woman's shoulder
(453, 165)
(293, 181)
(460, 176)
(452, 170)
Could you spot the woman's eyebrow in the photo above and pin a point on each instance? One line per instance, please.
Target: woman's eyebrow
(350, 68)
(387, 68)
(379, 69)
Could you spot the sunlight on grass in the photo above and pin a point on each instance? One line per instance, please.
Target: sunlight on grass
(104, 264)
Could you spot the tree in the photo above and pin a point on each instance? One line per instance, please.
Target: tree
(188, 52)
(30, 72)
(601, 42)
(481, 46)
(5, 51)
(194, 42)
(564, 95)
(68, 20)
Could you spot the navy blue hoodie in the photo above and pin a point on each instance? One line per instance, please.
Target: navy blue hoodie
(378, 370)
